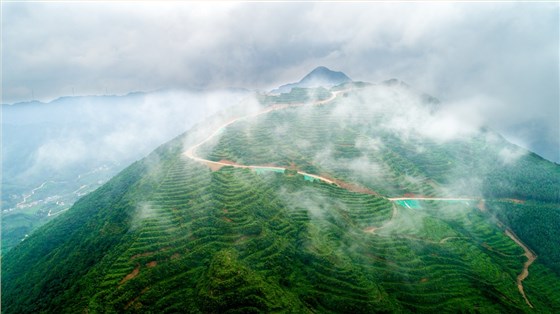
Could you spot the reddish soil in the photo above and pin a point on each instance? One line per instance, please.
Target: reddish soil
(175, 256)
(152, 264)
(136, 299)
(131, 302)
(227, 219)
(531, 257)
(424, 280)
(229, 162)
(353, 187)
(213, 166)
(133, 274)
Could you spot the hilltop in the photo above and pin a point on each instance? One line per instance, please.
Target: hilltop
(319, 77)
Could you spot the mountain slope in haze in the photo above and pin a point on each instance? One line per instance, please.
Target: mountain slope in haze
(319, 77)
(363, 201)
(54, 153)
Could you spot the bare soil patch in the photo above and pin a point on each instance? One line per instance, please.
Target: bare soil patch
(353, 187)
(152, 264)
(130, 276)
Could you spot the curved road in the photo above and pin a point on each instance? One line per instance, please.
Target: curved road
(191, 152)
(531, 257)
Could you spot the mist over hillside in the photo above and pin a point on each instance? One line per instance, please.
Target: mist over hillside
(54, 153)
(499, 59)
(359, 197)
(280, 157)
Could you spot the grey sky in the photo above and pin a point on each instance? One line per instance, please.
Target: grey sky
(500, 59)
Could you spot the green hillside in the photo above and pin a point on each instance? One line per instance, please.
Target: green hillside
(171, 234)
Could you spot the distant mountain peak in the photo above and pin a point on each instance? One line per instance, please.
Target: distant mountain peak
(320, 76)
(322, 73)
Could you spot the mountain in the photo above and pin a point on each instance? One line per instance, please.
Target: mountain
(319, 77)
(362, 198)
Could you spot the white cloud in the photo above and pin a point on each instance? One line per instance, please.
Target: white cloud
(510, 155)
(60, 153)
(505, 51)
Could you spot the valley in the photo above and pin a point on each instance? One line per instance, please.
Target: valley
(29, 210)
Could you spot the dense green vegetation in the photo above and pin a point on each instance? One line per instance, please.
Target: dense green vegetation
(228, 240)
(170, 235)
(536, 224)
(50, 262)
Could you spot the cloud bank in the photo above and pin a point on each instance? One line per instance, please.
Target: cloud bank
(501, 59)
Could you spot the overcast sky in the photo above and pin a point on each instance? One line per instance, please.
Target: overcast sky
(501, 59)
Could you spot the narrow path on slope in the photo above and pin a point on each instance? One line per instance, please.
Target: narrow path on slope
(214, 165)
(531, 257)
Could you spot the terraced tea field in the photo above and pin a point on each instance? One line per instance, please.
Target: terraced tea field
(263, 132)
(308, 247)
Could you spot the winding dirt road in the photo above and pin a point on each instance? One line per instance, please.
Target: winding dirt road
(214, 165)
(531, 257)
